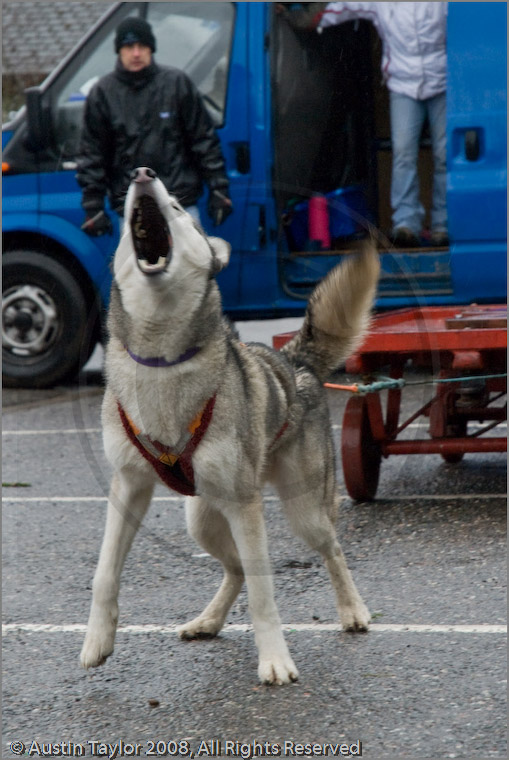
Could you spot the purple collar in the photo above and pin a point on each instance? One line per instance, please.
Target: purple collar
(160, 361)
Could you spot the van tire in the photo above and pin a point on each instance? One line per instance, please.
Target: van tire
(46, 339)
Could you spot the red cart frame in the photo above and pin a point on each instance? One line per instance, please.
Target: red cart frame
(468, 345)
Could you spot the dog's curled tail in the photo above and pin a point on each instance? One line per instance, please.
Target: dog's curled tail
(337, 316)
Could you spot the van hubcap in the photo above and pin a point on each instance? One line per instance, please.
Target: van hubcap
(29, 320)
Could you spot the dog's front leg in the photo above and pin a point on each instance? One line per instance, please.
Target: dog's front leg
(128, 501)
(248, 530)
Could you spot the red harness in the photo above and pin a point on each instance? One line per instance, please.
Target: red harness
(174, 466)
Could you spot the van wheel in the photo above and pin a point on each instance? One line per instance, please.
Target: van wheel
(44, 321)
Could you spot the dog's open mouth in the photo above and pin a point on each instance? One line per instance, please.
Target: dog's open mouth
(151, 236)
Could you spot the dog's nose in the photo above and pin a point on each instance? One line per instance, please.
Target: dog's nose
(143, 174)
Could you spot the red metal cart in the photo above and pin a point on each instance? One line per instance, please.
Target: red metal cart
(466, 349)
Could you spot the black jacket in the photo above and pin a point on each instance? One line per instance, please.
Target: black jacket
(155, 118)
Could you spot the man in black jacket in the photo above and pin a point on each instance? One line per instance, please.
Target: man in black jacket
(142, 114)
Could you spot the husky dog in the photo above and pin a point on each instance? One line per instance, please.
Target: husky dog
(189, 404)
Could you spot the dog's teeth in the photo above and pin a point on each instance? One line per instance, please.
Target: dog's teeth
(146, 267)
(138, 229)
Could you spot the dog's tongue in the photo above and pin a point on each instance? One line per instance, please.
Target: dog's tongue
(151, 236)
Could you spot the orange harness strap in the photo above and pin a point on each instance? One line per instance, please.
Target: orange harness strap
(173, 466)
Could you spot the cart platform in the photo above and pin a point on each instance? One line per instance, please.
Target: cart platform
(466, 350)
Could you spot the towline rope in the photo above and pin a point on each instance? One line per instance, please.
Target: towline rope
(391, 383)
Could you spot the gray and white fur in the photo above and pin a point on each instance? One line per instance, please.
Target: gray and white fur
(270, 421)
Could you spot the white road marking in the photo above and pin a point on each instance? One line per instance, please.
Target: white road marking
(81, 499)
(68, 431)
(440, 496)
(246, 627)
(425, 425)
(180, 499)
(77, 431)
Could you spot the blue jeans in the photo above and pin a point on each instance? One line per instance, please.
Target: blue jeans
(407, 119)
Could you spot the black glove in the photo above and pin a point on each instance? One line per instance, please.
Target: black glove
(219, 206)
(97, 223)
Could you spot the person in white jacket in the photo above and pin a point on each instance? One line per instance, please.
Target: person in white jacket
(414, 66)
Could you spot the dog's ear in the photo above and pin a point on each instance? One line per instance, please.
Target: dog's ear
(221, 253)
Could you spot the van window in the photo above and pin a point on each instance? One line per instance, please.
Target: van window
(192, 36)
(196, 38)
(95, 60)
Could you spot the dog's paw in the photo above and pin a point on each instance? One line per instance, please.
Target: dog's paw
(199, 628)
(96, 649)
(277, 671)
(355, 619)
(100, 636)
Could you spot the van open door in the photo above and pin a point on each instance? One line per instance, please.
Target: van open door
(323, 125)
(332, 138)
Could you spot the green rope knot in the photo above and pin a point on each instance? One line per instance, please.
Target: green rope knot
(382, 384)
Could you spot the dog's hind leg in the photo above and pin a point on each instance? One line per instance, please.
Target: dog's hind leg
(211, 530)
(129, 498)
(316, 528)
(311, 510)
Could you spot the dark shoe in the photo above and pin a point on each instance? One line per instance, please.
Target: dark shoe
(403, 237)
(439, 239)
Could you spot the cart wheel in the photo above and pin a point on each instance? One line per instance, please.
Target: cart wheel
(452, 458)
(360, 453)
(457, 431)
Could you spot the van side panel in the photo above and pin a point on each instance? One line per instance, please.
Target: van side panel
(477, 150)
(20, 195)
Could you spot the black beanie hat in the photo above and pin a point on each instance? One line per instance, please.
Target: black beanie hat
(132, 30)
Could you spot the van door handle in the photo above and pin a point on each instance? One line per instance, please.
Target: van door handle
(262, 228)
(242, 157)
(472, 145)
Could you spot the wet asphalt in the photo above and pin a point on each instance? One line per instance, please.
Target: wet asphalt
(428, 555)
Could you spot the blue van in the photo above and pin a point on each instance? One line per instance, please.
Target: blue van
(299, 115)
